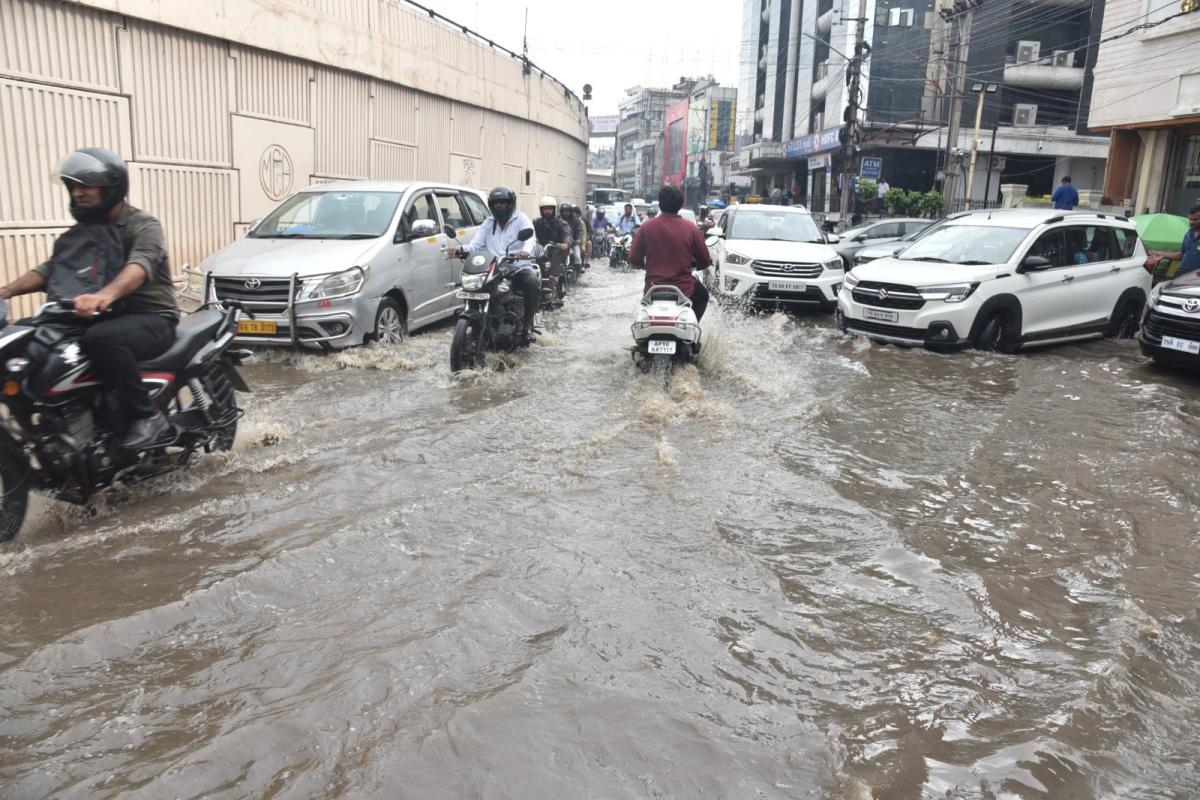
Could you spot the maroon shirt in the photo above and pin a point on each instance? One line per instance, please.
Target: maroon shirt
(667, 246)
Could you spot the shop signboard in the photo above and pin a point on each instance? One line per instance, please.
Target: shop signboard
(813, 143)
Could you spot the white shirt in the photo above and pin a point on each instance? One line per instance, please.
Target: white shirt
(883, 187)
(499, 240)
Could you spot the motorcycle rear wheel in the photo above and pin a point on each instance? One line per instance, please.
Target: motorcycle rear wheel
(465, 352)
(14, 481)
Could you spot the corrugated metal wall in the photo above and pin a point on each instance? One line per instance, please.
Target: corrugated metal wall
(273, 87)
(72, 77)
(342, 124)
(180, 90)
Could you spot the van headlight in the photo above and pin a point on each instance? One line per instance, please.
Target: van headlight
(954, 293)
(337, 285)
(473, 282)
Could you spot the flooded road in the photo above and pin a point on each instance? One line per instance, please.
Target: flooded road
(812, 568)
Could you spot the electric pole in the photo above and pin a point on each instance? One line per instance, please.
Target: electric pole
(958, 15)
(850, 133)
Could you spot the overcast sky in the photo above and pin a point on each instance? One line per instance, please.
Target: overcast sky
(613, 45)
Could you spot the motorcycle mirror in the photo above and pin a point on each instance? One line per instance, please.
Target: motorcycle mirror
(525, 235)
(449, 231)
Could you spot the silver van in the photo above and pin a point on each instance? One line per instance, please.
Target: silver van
(341, 264)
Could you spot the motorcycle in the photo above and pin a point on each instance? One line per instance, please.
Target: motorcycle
(492, 316)
(601, 241)
(554, 292)
(665, 330)
(619, 253)
(61, 430)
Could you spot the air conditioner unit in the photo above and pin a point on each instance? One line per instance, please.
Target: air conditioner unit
(1024, 115)
(1028, 51)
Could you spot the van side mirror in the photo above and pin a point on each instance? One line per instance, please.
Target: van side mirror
(1033, 264)
(422, 228)
(832, 238)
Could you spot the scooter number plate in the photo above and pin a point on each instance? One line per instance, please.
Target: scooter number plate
(472, 295)
(657, 346)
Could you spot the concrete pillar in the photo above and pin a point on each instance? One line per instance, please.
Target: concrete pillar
(1011, 194)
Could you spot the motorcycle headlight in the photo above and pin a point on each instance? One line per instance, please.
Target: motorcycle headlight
(734, 258)
(834, 265)
(337, 285)
(954, 293)
(473, 282)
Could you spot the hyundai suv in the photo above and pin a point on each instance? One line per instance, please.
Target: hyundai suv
(1171, 326)
(1003, 280)
(773, 255)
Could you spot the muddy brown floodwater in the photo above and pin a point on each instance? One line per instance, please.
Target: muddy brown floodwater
(811, 568)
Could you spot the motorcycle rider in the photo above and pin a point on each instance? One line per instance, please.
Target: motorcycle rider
(570, 215)
(554, 235)
(97, 181)
(670, 247)
(627, 222)
(496, 235)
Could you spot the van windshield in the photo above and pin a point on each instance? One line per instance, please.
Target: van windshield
(967, 245)
(330, 215)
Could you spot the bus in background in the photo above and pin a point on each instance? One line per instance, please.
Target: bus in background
(608, 197)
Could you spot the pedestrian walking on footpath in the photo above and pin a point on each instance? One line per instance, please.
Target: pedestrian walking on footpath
(1065, 197)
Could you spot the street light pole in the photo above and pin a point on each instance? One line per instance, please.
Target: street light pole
(851, 144)
(982, 90)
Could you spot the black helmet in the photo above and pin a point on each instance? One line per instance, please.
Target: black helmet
(565, 208)
(95, 166)
(502, 194)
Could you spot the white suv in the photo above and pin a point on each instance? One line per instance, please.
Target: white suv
(773, 254)
(1002, 280)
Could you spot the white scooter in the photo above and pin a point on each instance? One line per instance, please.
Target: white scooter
(666, 329)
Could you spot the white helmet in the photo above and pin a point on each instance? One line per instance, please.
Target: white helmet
(548, 200)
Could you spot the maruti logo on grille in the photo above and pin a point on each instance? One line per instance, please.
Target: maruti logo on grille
(883, 293)
(252, 283)
(1191, 305)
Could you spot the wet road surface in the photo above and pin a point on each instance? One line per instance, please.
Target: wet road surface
(813, 567)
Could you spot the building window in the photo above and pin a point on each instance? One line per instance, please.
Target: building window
(900, 18)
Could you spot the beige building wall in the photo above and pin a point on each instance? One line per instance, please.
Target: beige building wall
(224, 107)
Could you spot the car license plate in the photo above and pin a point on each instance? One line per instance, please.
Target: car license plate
(1182, 345)
(656, 346)
(473, 296)
(786, 286)
(257, 326)
(882, 316)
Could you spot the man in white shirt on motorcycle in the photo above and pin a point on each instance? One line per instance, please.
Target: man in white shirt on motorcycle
(496, 235)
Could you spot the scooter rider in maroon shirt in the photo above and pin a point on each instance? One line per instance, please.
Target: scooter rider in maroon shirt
(670, 247)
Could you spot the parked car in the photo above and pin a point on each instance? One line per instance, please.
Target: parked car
(341, 264)
(1171, 325)
(874, 233)
(773, 254)
(1002, 280)
(872, 251)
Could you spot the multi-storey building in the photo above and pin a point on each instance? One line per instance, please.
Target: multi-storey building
(1038, 56)
(642, 122)
(1147, 95)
